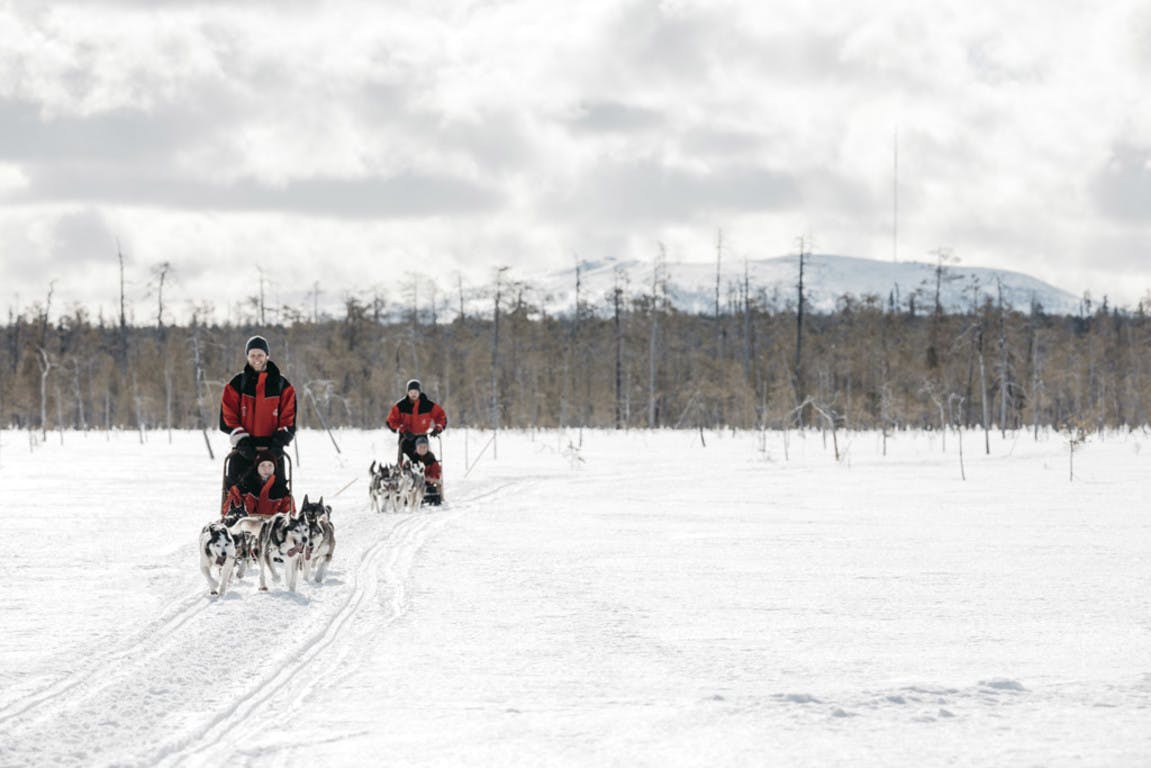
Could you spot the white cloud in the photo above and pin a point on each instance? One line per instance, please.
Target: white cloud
(12, 178)
(481, 133)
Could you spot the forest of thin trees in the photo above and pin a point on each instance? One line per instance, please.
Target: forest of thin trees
(617, 361)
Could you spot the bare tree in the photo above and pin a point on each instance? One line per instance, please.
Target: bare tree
(315, 294)
(955, 405)
(658, 297)
(495, 405)
(161, 274)
(410, 290)
(748, 342)
(943, 259)
(719, 336)
(261, 303)
(799, 310)
(460, 288)
(378, 305)
(198, 372)
(122, 346)
(985, 406)
(1036, 361)
(45, 362)
(81, 418)
(1076, 437)
(568, 395)
(168, 396)
(617, 321)
(138, 400)
(44, 317)
(1004, 370)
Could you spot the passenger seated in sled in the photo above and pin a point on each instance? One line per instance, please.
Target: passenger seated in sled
(262, 490)
(433, 471)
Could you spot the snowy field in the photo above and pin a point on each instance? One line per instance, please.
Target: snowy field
(635, 600)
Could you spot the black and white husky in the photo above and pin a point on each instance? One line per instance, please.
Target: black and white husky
(245, 530)
(283, 539)
(384, 488)
(321, 539)
(412, 485)
(377, 473)
(217, 555)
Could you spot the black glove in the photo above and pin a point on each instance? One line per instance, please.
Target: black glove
(389, 426)
(280, 440)
(405, 436)
(436, 432)
(246, 448)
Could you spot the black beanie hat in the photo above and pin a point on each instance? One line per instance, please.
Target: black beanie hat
(413, 384)
(256, 342)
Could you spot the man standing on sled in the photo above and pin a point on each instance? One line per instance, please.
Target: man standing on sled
(417, 416)
(257, 410)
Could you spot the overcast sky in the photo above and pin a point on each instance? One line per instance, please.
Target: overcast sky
(353, 145)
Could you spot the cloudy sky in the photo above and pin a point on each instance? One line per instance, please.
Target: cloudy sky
(353, 146)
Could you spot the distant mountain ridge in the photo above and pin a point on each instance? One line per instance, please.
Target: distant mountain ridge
(827, 278)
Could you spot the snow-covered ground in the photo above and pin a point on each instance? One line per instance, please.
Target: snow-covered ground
(638, 599)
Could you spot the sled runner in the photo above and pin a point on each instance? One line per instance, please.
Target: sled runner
(433, 495)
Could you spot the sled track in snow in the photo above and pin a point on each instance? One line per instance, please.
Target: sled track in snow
(188, 672)
(226, 733)
(228, 727)
(157, 631)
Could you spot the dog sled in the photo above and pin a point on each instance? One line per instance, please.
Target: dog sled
(404, 485)
(433, 492)
(301, 539)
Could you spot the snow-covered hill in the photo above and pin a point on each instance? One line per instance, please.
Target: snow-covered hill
(827, 278)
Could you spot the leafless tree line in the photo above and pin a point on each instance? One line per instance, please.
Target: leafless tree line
(618, 360)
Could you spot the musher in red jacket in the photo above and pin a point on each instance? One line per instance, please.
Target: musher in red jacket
(416, 415)
(257, 410)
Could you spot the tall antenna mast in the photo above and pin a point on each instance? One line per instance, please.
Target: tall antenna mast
(895, 197)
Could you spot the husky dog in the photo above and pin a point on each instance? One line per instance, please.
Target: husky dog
(217, 550)
(241, 525)
(412, 485)
(377, 475)
(239, 521)
(236, 510)
(283, 539)
(321, 539)
(246, 552)
(385, 487)
(395, 487)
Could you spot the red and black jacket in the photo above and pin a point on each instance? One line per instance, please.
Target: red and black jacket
(260, 497)
(258, 404)
(417, 418)
(433, 470)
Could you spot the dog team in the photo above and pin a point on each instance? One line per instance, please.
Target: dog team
(259, 521)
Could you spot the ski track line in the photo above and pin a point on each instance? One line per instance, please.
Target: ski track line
(146, 640)
(228, 730)
(222, 729)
